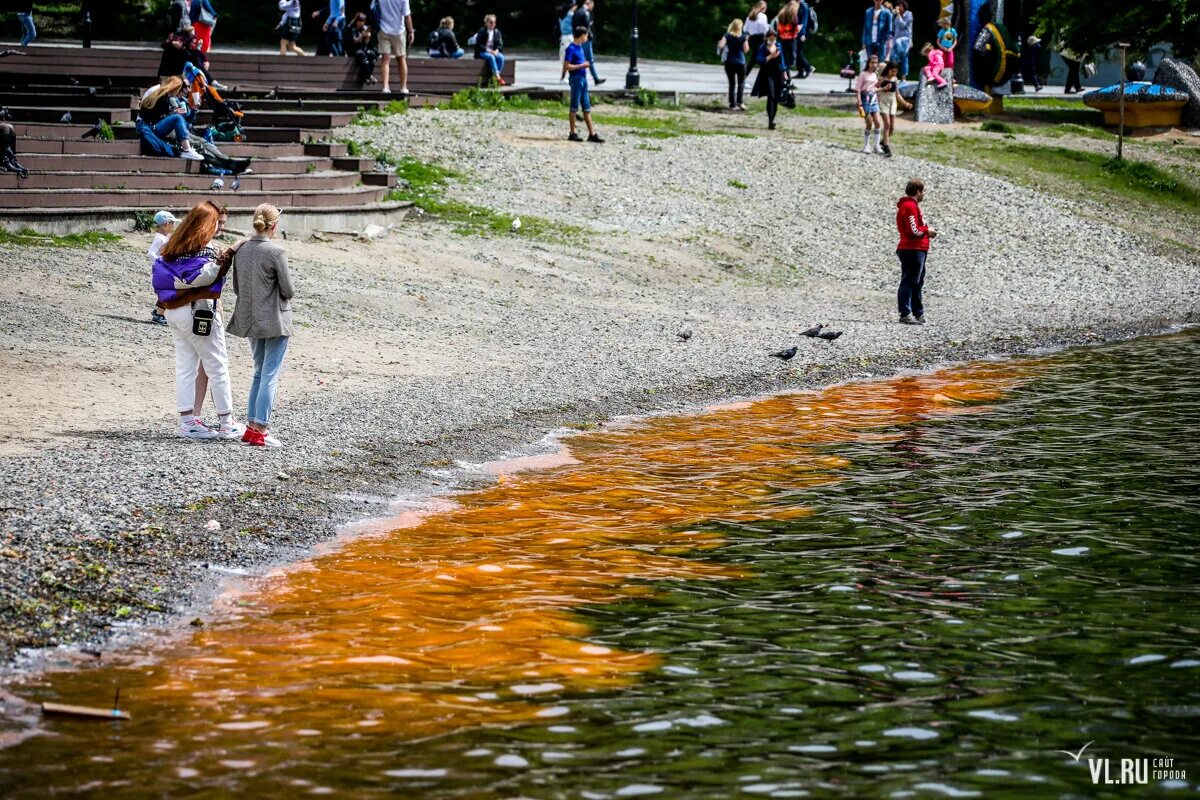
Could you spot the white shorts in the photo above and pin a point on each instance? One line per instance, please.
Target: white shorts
(393, 44)
(887, 104)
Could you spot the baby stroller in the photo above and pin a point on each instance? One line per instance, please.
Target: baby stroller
(226, 125)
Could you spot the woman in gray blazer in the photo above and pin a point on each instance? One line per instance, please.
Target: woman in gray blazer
(263, 315)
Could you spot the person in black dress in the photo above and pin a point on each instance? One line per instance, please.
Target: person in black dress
(772, 75)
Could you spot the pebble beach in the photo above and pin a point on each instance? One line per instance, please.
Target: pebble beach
(426, 351)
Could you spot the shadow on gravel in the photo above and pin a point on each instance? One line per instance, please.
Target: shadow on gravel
(134, 320)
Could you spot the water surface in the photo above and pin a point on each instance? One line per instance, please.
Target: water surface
(920, 587)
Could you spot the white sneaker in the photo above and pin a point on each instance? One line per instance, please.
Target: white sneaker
(230, 429)
(876, 149)
(190, 155)
(271, 441)
(865, 149)
(195, 429)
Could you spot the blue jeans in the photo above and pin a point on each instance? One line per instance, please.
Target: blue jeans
(580, 99)
(900, 48)
(456, 54)
(495, 61)
(875, 49)
(268, 363)
(172, 123)
(591, 59)
(28, 30)
(912, 280)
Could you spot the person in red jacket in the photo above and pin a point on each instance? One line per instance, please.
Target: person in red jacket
(912, 251)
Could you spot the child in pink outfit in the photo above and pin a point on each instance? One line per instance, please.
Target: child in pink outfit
(937, 63)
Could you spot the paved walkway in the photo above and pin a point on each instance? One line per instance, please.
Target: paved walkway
(540, 69)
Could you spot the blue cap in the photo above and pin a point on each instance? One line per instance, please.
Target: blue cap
(163, 217)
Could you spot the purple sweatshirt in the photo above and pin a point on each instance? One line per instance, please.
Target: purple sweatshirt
(184, 280)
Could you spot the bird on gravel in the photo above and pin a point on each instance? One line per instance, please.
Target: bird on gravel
(829, 336)
(66, 118)
(216, 184)
(786, 355)
(813, 331)
(237, 184)
(94, 131)
(684, 335)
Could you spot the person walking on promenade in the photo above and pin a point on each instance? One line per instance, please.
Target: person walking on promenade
(204, 19)
(1031, 60)
(583, 19)
(1073, 62)
(877, 29)
(756, 28)
(866, 88)
(566, 32)
(262, 315)
(575, 64)
(331, 29)
(24, 9)
(902, 32)
(803, 20)
(772, 75)
(735, 47)
(912, 251)
(489, 46)
(396, 33)
(188, 281)
(788, 28)
(289, 28)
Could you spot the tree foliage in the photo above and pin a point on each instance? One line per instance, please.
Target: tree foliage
(1093, 26)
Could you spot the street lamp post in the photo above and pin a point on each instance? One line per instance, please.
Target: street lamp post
(1121, 131)
(633, 78)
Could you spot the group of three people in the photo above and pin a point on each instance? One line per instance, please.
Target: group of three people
(188, 276)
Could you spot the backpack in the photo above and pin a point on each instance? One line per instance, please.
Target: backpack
(812, 20)
(435, 42)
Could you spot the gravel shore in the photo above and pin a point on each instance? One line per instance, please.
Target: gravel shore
(428, 348)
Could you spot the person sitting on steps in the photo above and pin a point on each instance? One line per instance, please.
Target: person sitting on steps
(489, 46)
(163, 114)
(442, 42)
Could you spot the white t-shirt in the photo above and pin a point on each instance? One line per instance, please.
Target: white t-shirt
(391, 16)
(160, 239)
(756, 26)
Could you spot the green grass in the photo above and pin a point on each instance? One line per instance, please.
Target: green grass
(31, 238)
(375, 115)
(1065, 172)
(1053, 110)
(491, 99)
(1071, 129)
(736, 184)
(426, 185)
(819, 111)
(996, 126)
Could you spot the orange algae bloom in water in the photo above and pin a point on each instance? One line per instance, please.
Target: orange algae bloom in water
(465, 618)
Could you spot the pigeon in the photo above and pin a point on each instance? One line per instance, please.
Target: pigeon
(274, 93)
(786, 355)
(300, 103)
(94, 131)
(829, 336)
(516, 224)
(216, 184)
(7, 53)
(684, 335)
(91, 90)
(813, 331)
(237, 184)
(74, 81)
(65, 119)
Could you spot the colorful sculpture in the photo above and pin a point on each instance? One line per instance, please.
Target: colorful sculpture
(1147, 105)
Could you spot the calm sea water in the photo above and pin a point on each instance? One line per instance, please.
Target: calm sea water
(923, 587)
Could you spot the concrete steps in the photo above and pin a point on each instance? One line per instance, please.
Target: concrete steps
(91, 199)
(134, 163)
(331, 180)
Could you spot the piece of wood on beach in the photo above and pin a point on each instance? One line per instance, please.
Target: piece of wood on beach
(84, 711)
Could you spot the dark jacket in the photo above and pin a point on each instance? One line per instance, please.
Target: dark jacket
(448, 42)
(481, 42)
(174, 58)
(776, 69)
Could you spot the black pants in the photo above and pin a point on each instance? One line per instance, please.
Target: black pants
(802, 65)
(774, 87)
(912, 280)
(8, 139)
(736, 75)
(788, 47)
(1030, 59)
(1073, 84)
(366, 64)
(755, 42)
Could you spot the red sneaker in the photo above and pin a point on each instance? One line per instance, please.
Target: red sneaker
(254, 438)
(501, 81)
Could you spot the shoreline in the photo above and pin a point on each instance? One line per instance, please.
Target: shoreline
(211, 595)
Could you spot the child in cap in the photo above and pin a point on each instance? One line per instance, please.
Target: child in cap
(164, 226)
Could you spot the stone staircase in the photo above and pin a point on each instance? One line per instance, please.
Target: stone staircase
(77, 184)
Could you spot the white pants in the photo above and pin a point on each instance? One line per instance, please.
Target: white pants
(192, 350)
(563, 41)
